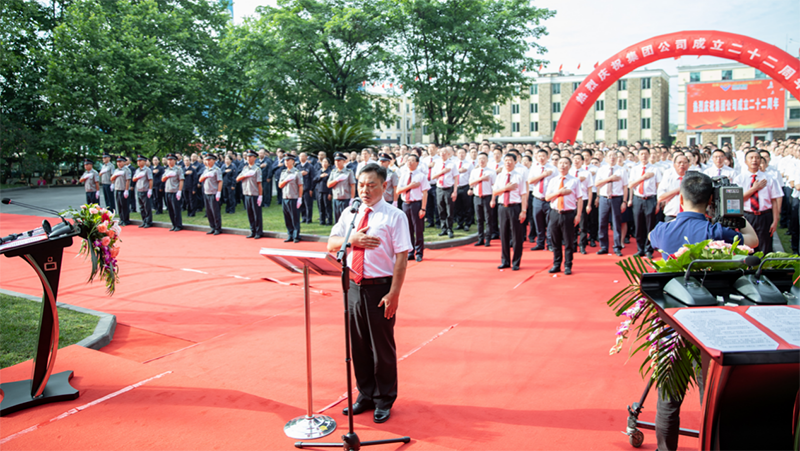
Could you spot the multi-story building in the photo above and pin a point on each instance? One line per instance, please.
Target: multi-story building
(403, 129)
(733, 72)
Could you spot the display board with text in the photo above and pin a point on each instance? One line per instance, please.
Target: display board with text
(735, 105)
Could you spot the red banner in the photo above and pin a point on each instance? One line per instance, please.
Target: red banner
(735, 105)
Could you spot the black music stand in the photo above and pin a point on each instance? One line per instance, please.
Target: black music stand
(311, 425)
(44, 255)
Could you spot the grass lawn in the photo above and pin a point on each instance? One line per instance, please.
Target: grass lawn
(273, 222)
(786, 240)
(19, 328)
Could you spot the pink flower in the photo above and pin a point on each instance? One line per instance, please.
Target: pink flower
(745, 248)
(718, 245)
(114, 251)
(681, 251)
(83, 207)
(106, 240)
(102, 228)
(93, 211)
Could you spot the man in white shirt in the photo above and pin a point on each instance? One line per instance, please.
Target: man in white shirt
(565, 194)
(718, 168)
(670, 187)
(481, 180)
(762, 200)
(464, 214)
(581, 173)
(412, 189)
(508, 192)
(538, 178)
(611, 182)
(432, 215)
(644, 187)
(445, 175)
(377, 264)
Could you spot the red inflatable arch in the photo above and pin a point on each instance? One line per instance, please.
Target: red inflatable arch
(771, 60)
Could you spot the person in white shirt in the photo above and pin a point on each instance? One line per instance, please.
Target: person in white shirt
(427, 162)
(718, 168)
(538, 178)
(565, 194)
(581, 173)
(378, 262)
(611, 182)
(644, 187)
(762, 200)
(670, 187)
(412, 189)
(481, 180)
(508, 194)
(445, 175)
(464, 213)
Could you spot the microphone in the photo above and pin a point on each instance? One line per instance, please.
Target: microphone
(58, 230)
(354, 206)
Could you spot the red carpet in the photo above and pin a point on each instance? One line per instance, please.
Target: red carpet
(489, 359)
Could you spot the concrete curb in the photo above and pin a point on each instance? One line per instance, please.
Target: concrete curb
(777, 246)
(103, 332)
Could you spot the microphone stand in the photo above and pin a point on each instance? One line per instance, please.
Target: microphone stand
(351, 442)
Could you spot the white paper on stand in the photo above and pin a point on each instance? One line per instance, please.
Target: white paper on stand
(724, 330)
(781, 319)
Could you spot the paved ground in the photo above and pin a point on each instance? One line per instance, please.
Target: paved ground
(53, 198)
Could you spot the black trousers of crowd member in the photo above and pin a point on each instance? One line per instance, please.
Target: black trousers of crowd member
(445, 204)
(92, 197)
(530, 221)
(339, 206)
(267, 192)
(794, 222)
(644, 216)
(279, 195)
(416, 227)
(131, 200)
(307, 209)
(761, 224)
(610, 211)
(594, 218)
(562, 232)
(158, 200)
(108, 194)
(145, 208)
(213, 211)
(582, 230)
(786, 207)
(123, 212)
(668, 416)
(291, 217)
(462, 207)
(325, 207)
(373, 346)
(494, 222)
(229, 197)
(254, 215)
(483, 211)
(432, 213)
(174, 210)
(541, 212)
(198, 198)
(511, 230)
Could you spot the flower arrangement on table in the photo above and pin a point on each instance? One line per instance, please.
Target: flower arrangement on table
(671, 360)
(100, 233)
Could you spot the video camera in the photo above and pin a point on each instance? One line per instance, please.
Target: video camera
(728, 206)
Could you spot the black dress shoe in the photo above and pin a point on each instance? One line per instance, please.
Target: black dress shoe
(443, 232)
(554, 269)
(258, 237)
(618, 253)
(602, 252)
(537, 248)
(650, 255)
(627, 240)
(381, 415)
(287, 240)
(296, 240)
(568, 271)
(503, 266)
(251, 235)
(450, 234)
(419, 258)
(583, 250)
(178, 229)
(210, 232)
(147, 226)
(480, 243)
(515, 268)
(592, 243)
(359, 408)
(458, 227)
(496, 236)
(172, 229)
(466, 228)
(141, 225)
(487, 243)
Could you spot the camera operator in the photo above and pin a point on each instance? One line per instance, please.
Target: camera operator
(690, 224)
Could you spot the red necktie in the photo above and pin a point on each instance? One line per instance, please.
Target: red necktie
(560, 203)
(680, 207)
(480, 185)
(541, 183)
(507, 194)
(441, 177)
(358, 252)
(754, 198)
(641, 185)
(408, 193)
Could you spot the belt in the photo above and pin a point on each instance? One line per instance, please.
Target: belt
(563, 212)
(510, 204)
(644, 197)
(444, 187)
(759, 213)
(375, 281)
(610, 197)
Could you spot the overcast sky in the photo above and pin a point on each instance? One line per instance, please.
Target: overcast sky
(586, 32)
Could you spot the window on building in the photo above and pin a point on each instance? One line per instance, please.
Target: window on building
(515, 127)
(534, 127)
(646, 83)
(760, 74)
(727, 75)
(534, 108)
(398, 124)
(622, 104)
(694, 77)
(622, 142)
(398, 107)
(425, 130)
(514, 108)
(575, 85)
(555, 124)
(622, 85)
(556, 107)
(408, 139)
(534, 90)
(496, 110)
(598, 124)
(794, 113)
(556, 88)
(622, 124)
(600, 105)
(408, 124)
(645, 123)
(408, 107)
(645, 103)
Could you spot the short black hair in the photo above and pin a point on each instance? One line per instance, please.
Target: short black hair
(697, 188)
(376, 168)
(414, 156)
(510, 154)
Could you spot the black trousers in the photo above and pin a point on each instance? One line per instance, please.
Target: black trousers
(445, 204)
(267, 192)
(510, 229)
(373, 346)
(610, 211)
(416, 227)
(325, 207)
(213, 212)
(761, 224)
(339, 206)
(562, 232)
(462, 207)
(432, 213)
(254, 215)
(131, 200)
(644, 215)
(786, 208)
(668, 416)
(291, 217)
(229, 197)
(307, 209)
(583, 228)
(530, 221)
(158, 199)
(593, 218)
(794, 223)
(174, 210)
(108, 194)
(483, 211)
(198, 198)
(145, 207)
(123, 212)
(541, 212)
(92, 197)
(494, 222)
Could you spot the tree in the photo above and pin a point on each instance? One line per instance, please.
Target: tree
(332, 138)
(459, 57)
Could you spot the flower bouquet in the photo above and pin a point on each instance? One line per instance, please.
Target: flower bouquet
(671, 360)
(100, 233)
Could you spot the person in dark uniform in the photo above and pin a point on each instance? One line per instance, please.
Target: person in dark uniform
(158, 186)
(229, 173)
(306, 168)
(105, 181)
(239, 163)
(143, 177)
(212, 192)
(265, 163)
(91, 182)
(189, 184)
(131, 192)
(323, 193)
(378, 264)
(412, 187)
(173, 179)
(508, 192)
(292, 183)
(197, 197)
(277, 167)
(121, 178)
(250, 177)
(342, 183)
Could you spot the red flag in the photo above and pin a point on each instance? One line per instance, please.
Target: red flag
(383, 85)
(364, 83)
(391, 85)
(540, 68)
(596, 64)
(430, 78)
(560, 67)
(524, 68)
(416, 78)
(401, 86)
(579, 65)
